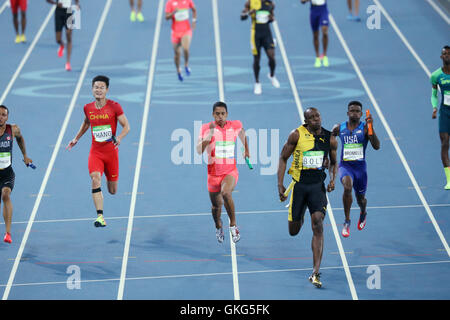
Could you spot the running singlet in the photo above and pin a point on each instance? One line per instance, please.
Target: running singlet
(354, 143)
(103, 122)
(318, 2)
(443, 81)
(180, 20)
(309, 154)
(260, 19)
(221, 159)
(6, 144)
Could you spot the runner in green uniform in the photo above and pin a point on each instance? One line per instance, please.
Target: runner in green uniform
(441, 78)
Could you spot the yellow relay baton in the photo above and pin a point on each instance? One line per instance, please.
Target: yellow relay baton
(289, 188)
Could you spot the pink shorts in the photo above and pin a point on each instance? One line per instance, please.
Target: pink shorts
(177, 36)
(215, 182)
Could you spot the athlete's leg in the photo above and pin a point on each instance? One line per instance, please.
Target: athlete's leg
(228, 184)
(444, 136)
(317, 239)
(176, 49)
(362, 202)
(256, 65)
(271, 56)
(295, 226)
(97, 194)
(185, 44)
(7, 208)
(347, 197)
(69, 43)
(316, 42)
(216, 207)
(16, 22)
(23, 21)
(112, 187)
(325, 39)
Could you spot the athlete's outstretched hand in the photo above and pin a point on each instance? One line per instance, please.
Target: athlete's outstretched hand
(71, 144)
(434, 115)
(27, 161)
(330, 186)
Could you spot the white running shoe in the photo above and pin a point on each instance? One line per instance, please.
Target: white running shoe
(258, 88)
(235, 236)
(274, 81)
(220, 235)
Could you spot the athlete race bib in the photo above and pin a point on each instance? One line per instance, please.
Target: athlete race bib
(318, 2)
(262, 16)
(102, 133)
(353, 152)
(5, 160)
(182, 15)
(447, 98)
(313, 159)
(65, 3)
(224, 149)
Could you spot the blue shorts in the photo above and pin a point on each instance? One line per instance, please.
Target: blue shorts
(318, 17)
(358, 175)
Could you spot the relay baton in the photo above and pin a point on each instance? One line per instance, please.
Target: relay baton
(289, 188)
(32, 166)
(369, 125)
(247, 160)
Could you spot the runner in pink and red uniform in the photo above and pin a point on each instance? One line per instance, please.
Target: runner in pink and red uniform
(178, 11)
(218, 138)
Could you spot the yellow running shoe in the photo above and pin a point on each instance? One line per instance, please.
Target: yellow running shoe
(140, 17)
(315, 280)
(325, 61)
(133, 16)
(318, 63)
(23, 38)
(17, 39)
(100, 222)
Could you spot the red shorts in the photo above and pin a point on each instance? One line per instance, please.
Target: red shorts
(215, 182)
(15, 4)
(177, 36)
(105, 162)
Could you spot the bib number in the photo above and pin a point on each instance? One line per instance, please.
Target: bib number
(313, 159)
(102, 133)
(182, 15)
(447, 98)
(5, 160)
(224, 149)
(353, 152)
(262, 16)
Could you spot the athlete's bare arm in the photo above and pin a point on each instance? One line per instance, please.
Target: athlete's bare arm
(434, 115)
(84, 127)
(203, 143)
(21, 142)
(125, 128)
(286, 153)
(244, 141)
(333, 168)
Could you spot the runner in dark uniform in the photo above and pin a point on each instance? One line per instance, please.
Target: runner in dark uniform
(262, 14)
(7, 134)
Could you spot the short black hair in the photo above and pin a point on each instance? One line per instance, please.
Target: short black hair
(352, 103)
(104, 79)
(445, 48)
(4, 107)
(220, 104)
(308, 110)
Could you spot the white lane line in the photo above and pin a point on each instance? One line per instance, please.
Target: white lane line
(400, 264)
(56, 149)
(403, 38)
(391, 135)
(215, 10)
(27, 55)
(177, 215)
(4, 5)
(151, 73)
(439, 11)
(329, 209)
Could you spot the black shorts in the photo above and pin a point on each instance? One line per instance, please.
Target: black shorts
(7, 178)
(261, 39)
(307, 195)
(61, 17)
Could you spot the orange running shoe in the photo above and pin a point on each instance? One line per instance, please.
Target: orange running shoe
(7, 237)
